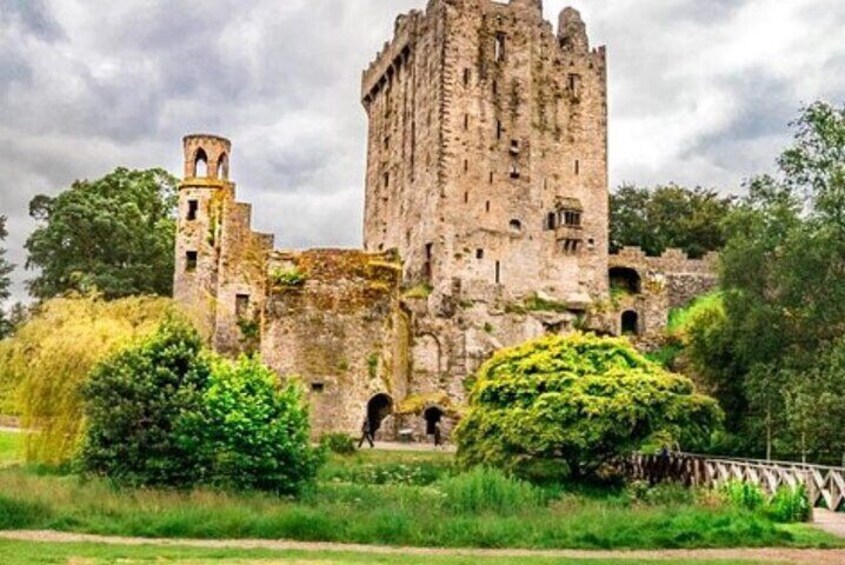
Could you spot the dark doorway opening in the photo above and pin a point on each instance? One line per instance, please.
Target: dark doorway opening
(630, 323)
(378, 408)
(432, 417)
(623, 278)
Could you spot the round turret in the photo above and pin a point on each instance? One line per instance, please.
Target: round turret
(207, 156)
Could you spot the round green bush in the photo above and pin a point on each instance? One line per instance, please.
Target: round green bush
(576, 403)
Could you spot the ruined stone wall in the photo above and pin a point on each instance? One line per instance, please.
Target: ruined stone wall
(484, 125)
(339, 329)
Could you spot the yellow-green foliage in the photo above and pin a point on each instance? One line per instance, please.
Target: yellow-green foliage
(576, 403)
(682, 319)
(49, 358)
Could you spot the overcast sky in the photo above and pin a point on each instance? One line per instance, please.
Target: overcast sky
(701, 93)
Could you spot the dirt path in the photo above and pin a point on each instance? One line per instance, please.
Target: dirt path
(792, 556)
(831, 522)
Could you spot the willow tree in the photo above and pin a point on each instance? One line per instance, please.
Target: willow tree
(44, 365)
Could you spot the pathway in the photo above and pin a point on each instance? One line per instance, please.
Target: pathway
(831, 522)
(791, 556)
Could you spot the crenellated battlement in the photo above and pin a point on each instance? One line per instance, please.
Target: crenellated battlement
(672, 261)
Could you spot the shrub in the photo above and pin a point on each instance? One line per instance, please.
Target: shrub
(790, 505)
(134, 403)
(290, 277)
(578, 401)
(339, 443)
(45, 364)
(489, 490)
(253, 432)
(743, 495)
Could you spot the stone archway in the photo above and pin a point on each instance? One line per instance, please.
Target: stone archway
(626, 279)
(630, 323)
(379, 407)
(433, 415)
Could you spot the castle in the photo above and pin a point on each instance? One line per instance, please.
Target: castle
(486, 225)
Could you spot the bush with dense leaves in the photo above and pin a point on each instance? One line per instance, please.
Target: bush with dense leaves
(135, 403)
(254, 433)
(338, 443)
(576, 403)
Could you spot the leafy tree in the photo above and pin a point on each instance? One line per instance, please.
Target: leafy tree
(578, 401)
(5, 270)
(254, 433)
(45, 363)
(783, 289)
(669, 216)
(134, 405)
(114, 235)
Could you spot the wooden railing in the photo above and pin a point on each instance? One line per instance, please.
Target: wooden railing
(825, 485)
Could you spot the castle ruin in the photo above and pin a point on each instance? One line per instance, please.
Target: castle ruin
(486, 225)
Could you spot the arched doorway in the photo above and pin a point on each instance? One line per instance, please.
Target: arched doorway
(628, 280)
(378, 408)
(432, 416)
(630, 323)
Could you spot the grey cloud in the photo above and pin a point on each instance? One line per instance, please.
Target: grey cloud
(33, 16)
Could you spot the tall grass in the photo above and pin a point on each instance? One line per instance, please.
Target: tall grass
(454, 512)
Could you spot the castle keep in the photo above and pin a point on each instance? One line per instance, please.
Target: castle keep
(486, 224)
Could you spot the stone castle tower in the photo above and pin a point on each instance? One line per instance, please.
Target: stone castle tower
(486, 225)
(487, 150)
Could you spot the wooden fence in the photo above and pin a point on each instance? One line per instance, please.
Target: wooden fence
(825, 485)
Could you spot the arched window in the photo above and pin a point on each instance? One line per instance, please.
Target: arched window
(630, 323)
(223, 167)
(516, 226)
(200, 164)
(625, 279)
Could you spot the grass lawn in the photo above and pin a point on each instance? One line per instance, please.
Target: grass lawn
(23, 553)
(11, 445)
(402, 499)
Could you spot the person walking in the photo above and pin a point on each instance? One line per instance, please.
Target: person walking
(438, 438)
(366, 434)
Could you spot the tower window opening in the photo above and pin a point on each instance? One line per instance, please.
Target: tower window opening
(515, 146)
(572, 219)
(487, 206)
(200, 164)
(318, 388)
(193, 207)
(577, 167)
(386, 180)
(498, 272)
(466, 165)
(551, 221)
(516, 226)
(479, 254)
(242, 306)
(387, 142)
(191, 261)
(495, 87)
(223, 167)
(466, 122)
(571, 246)
(466, 197)
(515, 171)
(630, 323)
(491, 177)
(499, 47)
(575, 84)
(498, 129)
(467, 75)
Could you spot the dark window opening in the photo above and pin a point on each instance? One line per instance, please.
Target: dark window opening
(466, 122)
(499, 47)
(386, 180)
(491, 177)
(466, 165)
(571, 218)
(466, 197)
(191, 261)
(575, 84)
(625, 279)
(498, 272)
(495, 87)
(515, 146)
(487, 205)
(498, 129)
(242, 306)
(387, 142)
(378, 408)
(551, 221)
(429, 253)
(319, 388)
(516, 226)
(571, 246)
(630, 323)
(193, 207)
(514, 171)
(467, 75)
(577, 167)
(479, 254)
(432, 417)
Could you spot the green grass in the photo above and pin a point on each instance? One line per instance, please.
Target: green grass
(28, 553)
(11, 448)
(440, 511)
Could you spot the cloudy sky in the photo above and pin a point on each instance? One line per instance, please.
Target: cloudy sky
(701, 93)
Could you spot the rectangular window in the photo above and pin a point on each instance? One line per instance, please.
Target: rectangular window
(499, 47)
(498, 272)
(487, 205)
(572, 219)
(498, 129)
(466, 122)
(551, 221)
(466, 165)
(575, 84)
(467, 75)
(577, 167)
(387, 142)
(318, 388)
(191, 261)
(386, 180)
(193, 207)
(514, 171)
(571, 246)
(491, 177)
(479, 254)
(495, 87)
(466, 197)
(515, 146)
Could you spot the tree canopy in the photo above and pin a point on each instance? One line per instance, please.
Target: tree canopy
(114, 235)
(783, 291)
(668, 216)
(579, 401)
(5, 270)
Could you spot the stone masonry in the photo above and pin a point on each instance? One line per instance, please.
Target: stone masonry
(486, 225)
